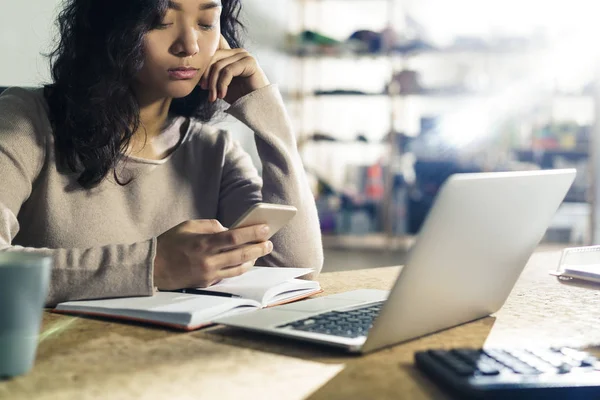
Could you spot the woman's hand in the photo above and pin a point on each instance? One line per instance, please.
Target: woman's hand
(232, 73)
(202, 252)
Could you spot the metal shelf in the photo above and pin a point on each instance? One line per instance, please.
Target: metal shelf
(498, 51)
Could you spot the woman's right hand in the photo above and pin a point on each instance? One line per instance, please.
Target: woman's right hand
(201, 252)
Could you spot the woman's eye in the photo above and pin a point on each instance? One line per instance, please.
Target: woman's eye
(206, 27)
(163, 25)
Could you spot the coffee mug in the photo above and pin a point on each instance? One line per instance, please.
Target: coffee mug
(24, 281)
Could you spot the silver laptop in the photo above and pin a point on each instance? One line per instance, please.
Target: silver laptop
(469, 254)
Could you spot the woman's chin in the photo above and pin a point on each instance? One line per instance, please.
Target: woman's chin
(179, 89)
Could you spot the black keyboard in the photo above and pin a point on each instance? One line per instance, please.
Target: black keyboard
(548, 373)
(350, 324)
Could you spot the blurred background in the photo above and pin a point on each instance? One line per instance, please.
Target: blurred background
(391, 97)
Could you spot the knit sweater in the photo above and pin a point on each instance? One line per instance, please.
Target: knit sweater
(103, 240)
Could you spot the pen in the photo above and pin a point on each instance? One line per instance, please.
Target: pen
(206, 292)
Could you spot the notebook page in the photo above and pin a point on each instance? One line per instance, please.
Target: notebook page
(289, 290)
(255, 283)
(588, 255)
(165, 307)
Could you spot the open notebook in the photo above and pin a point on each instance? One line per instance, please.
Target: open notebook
(579, 263)
(258, 288)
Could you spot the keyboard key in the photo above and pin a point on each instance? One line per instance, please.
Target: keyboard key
(354, 323)
(553, 358)
(488, 362)
(524, 369)
(532, 361)
(590, 362)
(501, 356)
(470, 355)
(508, 360)
(487, 369)
(564, 368)
(457, 365)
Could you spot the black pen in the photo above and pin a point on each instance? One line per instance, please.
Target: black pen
(205, 292)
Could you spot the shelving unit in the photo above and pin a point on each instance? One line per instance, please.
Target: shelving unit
(386, 239)
(313, 101)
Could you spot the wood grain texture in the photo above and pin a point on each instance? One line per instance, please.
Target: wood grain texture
(82, 358)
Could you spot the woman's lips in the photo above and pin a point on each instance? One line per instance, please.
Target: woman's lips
(183, 73)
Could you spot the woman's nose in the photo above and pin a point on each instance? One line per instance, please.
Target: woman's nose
(187, 43)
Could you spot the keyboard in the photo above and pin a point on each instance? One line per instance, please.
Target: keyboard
(350, 324)
(548, 373)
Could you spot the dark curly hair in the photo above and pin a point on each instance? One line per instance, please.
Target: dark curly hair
(93, 110)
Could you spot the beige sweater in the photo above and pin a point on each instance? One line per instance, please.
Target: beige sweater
(103, 240)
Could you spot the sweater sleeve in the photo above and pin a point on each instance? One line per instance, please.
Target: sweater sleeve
(108, 271)
(283, 181)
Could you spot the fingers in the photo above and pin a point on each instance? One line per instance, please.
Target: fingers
(222, 76)
(219, 75)
(219, 55)
(226, 265)
(223, 72)
(234, 271)
(241, 256)
(233, 238)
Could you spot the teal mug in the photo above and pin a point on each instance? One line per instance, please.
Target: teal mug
(24, 282)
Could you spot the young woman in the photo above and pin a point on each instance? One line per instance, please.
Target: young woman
(114, 172)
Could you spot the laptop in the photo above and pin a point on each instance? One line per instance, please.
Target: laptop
(471, 249)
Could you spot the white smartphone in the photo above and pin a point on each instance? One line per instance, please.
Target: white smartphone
(273, 215)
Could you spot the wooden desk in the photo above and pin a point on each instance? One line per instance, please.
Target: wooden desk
(82, 358)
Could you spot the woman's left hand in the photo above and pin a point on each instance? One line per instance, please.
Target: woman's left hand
(232, 74)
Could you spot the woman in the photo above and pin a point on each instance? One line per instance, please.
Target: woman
(114, 172)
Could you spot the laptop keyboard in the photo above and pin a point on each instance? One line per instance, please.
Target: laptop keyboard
(350, 324)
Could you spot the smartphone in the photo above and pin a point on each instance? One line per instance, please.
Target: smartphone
(273, 215)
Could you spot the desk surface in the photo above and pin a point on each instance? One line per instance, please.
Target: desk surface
(84, 358)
